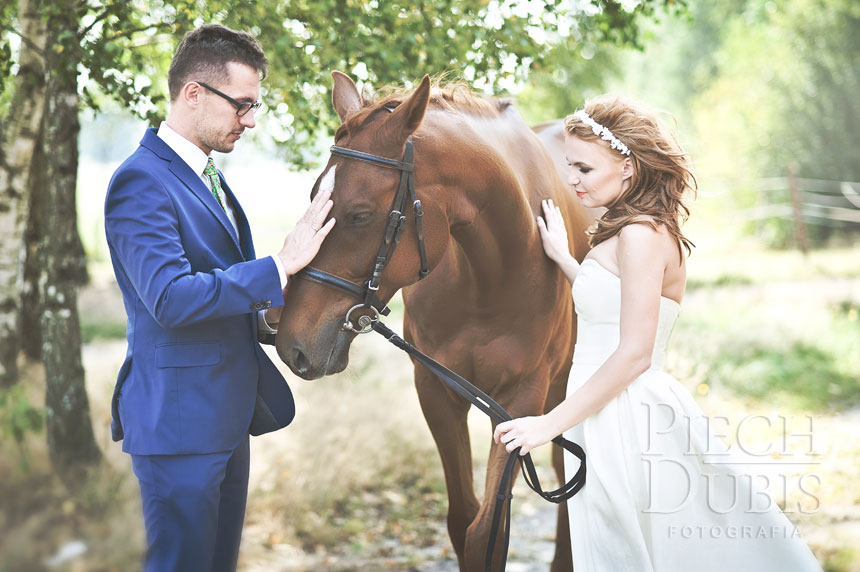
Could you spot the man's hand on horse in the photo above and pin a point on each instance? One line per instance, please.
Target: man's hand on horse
(304, 241)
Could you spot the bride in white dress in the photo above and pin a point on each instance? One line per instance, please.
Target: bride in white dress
(662, 493)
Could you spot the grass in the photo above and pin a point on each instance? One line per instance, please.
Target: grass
(93, 330)
(800, 376)
(39, 515)
(787, 352)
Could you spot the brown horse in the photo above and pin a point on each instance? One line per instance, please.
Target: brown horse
(493, 308)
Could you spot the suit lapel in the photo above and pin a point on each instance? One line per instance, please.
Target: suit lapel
(190, 179)
(184, 173)
(245, 241)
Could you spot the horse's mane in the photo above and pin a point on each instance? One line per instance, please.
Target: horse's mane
(456, 97)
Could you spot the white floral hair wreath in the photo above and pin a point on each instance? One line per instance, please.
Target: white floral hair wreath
(603, 132)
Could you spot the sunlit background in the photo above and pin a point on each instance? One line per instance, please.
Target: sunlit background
(764, 97)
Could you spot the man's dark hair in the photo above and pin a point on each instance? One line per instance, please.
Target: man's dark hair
(203, 55)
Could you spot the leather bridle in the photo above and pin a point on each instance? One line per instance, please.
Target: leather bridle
(390, 238)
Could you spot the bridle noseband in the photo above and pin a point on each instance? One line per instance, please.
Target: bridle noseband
(390, 239)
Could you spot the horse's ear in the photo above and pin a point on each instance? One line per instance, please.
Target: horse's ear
(344, 95)
(407, 116)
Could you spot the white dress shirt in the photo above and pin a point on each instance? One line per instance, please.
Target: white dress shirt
(195, 158)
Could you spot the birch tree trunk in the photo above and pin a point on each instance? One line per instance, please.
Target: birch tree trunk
(19, 133)
(30, 334)
(71, 443)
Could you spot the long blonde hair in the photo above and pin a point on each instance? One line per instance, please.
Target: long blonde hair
(661, 176)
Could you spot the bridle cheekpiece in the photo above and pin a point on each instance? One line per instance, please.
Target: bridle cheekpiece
(391, 237)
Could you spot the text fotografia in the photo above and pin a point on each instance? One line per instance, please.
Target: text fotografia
(765, 455)
(733, 532)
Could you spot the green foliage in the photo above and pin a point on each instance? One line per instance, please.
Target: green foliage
(578, 65)
(620, 25)
(5, 66)
(822, 131)
(803, 376)
(18, 418)
(841, 559)
(784, 81)
(125, 48)
(7, 57)
(817, 370)
(569, 75)
(757, 84)
(488, 44)
(122, 49)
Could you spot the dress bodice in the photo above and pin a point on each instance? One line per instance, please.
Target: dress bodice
(597, 299)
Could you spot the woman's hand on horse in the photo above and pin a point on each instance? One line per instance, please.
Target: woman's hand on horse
(304, 241)
(553, 233)
(525, 433)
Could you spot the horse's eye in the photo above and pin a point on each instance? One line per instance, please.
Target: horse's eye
(359, 218)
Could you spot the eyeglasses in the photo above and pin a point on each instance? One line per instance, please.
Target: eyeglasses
(242, 107)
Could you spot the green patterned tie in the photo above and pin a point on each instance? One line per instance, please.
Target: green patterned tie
(214, 182)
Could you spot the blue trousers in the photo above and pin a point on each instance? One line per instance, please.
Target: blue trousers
(193, 509)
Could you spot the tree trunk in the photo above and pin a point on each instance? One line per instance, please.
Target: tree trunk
(31, 333)
(18, 138)
(71, 444)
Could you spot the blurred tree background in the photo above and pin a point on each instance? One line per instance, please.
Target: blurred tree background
(757, 87)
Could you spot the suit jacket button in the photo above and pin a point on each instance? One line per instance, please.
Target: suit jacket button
(267, 304)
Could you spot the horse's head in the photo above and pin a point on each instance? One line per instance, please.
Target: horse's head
(311, 337)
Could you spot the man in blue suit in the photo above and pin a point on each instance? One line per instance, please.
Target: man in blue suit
(195, 380)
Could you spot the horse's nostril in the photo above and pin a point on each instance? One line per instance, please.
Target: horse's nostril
(300, 362)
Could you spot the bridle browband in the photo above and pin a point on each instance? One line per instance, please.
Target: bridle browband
(467, 390)
(393, 229)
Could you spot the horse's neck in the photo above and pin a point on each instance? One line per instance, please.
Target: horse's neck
(491, 222)
(497, 241)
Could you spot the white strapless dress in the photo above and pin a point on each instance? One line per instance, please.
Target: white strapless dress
(662, 493)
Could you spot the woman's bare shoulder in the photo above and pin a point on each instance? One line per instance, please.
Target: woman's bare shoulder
(648, 237)
(642, 228)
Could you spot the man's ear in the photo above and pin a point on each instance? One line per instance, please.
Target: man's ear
(191, 93)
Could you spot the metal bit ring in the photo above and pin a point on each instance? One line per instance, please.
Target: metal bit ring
(365, 322)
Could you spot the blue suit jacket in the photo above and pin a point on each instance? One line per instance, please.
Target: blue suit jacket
(194, 371)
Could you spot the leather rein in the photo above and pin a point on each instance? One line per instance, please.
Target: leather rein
(467, 390)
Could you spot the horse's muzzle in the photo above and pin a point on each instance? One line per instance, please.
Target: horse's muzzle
(326, 355)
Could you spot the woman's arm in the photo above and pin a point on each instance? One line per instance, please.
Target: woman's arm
(553, 234)
(642, 256)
